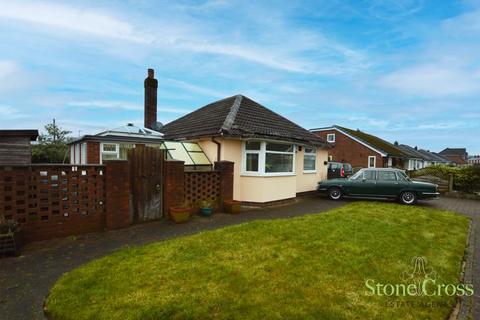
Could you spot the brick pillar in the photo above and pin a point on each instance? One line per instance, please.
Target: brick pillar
(118, 188)
(93, 152)
(174, 185)
(225, 168)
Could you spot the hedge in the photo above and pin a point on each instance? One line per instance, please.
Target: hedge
(466, 179)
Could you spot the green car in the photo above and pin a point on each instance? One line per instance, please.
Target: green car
(380, 183)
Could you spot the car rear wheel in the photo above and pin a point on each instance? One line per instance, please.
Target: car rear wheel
(408, 197)
(335, 193)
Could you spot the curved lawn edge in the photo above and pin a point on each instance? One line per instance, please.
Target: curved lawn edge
(233, 271)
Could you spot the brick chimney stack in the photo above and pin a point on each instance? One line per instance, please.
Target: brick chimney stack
(151, 85)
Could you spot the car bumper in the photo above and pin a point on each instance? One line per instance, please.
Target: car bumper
(430, 195)
(322, 189)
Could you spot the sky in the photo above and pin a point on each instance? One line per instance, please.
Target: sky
(405, 70)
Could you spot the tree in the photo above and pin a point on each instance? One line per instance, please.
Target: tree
(52, 145)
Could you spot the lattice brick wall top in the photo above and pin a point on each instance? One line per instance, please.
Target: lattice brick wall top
(51, 193)
(202, 186)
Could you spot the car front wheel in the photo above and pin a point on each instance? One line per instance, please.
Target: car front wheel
(408, 197)
(335, 193)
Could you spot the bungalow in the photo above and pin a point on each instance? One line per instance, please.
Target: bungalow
(15, 146)
(423, 158)
(361, 149)
(459, 156)
(274, 158)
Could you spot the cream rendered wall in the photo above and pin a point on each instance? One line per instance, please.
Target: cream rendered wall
(308, 181)
(264, 189)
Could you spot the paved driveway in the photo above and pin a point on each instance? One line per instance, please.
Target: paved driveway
(26, 280)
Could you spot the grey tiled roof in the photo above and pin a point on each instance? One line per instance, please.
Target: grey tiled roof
(238, 116)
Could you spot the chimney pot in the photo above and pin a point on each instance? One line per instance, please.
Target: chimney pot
(151, 73)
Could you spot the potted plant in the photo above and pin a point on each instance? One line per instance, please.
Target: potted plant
(232, 206)
(180, 214)
(206, 208)
(10, 241)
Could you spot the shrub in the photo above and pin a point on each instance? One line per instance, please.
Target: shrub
(466, 179)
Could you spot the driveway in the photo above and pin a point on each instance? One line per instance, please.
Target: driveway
(25, 281)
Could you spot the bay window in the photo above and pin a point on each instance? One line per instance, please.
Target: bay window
(268, 158)
(309, 159)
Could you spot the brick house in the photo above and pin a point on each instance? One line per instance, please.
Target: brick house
(459, 156)
(362, 150)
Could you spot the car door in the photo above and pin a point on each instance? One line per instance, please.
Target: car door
(387, 183)
(366, 185)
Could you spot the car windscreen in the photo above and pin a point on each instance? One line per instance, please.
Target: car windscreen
(347, 167)
(402, 176)
(357, 175)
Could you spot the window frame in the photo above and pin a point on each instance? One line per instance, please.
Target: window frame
(331, 135)
(374, 162)
(116, 152)
(314, 154)
(262, 155)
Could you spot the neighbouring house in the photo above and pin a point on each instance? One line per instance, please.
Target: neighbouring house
(361, 149)
(416, 159)
(275, 159)
(422, 158)
(432, 158)
(15, 146)
(459, 156)
(474, 159)
(113, 144)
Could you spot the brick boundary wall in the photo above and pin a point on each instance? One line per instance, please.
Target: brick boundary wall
(51, 201)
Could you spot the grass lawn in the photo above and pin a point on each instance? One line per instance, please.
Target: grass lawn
(310, 267)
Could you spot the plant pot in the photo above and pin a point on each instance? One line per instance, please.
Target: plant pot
(179, 215)
(206, 212)
(232, 206)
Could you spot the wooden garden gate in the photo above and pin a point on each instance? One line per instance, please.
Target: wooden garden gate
(146, 171)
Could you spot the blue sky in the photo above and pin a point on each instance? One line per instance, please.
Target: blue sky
(404, 70)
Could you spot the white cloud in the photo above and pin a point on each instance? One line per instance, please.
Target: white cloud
(329, 57)
(77, 19)
(7, 69)
(122, 105)
(10, 113)
(195, 88)
(434, 80)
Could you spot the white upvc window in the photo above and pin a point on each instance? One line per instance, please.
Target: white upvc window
(109, 151)
(309, 160)
(372, 161)
(331, 137)
(114, 151)
(261, 158)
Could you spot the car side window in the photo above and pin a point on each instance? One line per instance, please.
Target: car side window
(387, 176)
(369, 174)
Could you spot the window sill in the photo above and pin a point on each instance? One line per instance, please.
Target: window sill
(309, 171)
(266, 175)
